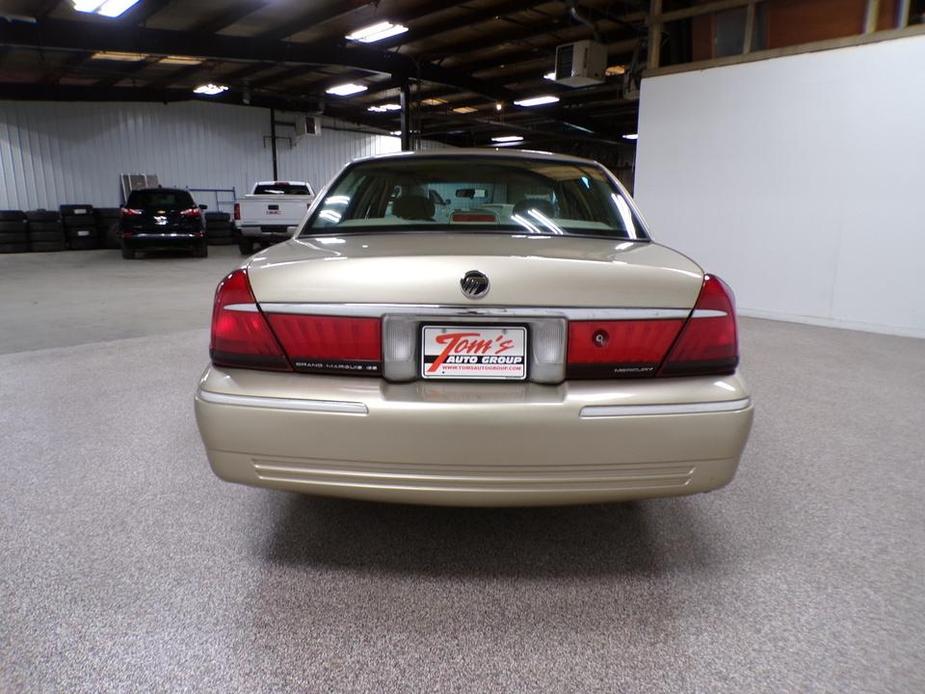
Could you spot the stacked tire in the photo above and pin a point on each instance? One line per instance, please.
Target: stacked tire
(14, 235)
(45, 231)
(107, 226)
(80, 227)
(218, 229)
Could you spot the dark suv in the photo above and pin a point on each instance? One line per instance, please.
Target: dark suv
(162, 219)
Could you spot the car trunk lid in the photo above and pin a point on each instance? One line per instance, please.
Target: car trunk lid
(427, 268)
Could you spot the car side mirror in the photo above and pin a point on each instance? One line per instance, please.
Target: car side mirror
(203, 207)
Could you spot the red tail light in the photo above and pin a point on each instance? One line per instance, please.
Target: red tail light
(330, 344)
(129, 212)
(237, 212)
(709, 343)
(619, 349)
(473, 217)
(241, 336)
(191, 212)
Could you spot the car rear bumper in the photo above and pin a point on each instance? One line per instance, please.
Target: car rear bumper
(473, 444)
(143, 241)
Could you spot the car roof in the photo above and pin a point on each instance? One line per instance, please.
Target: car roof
(468, 152)
(159, 190)
(288, 183)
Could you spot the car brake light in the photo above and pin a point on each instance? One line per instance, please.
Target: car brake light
(708, 344)
(330, 344)
(237, 212)
(473, 217)
(619, 349)
(129, 212)
(241, 336)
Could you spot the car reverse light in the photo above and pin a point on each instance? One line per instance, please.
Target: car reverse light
(237, 212)
(330, 344)
(240, 335)
(619, 349)
(708, 344)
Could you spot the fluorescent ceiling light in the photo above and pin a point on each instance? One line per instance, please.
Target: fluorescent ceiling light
(465, 109)
(433, 101)
(347, 89)
(210, 89)
(180, 60)
(118, 55)
(632, 136)
(615, 70)
(507, 138)
(376, 32)
(385, 107)
(550, 75)
(537, 101)
(396, 133)
(107, 8)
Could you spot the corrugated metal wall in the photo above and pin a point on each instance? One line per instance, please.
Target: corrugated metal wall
(55, 153)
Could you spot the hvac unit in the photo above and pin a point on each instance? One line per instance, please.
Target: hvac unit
(307, 125)
(581, 63)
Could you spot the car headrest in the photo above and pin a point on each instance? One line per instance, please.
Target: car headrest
(544, 207)
(413, 207)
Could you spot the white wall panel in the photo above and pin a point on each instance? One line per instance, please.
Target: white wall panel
(54, 153)
(799, 180)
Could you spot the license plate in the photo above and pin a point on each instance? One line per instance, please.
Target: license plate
(474, 352)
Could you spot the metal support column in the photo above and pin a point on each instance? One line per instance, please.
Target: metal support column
(749, 27)
(871, 15)
(655, 34)
(405, 116)
(273, 143)
(902, 13)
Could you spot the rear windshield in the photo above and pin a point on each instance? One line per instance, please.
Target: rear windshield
(160, 199)
(281, 189)
(476, 194)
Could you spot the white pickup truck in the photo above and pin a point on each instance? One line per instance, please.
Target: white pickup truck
(271, 212)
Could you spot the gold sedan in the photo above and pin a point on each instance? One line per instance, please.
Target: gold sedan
(479, 328)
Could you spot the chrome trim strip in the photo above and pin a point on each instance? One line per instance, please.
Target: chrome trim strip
(252, 308)
(708, 313)
(376, 310)
(592, 411)
(339, 406)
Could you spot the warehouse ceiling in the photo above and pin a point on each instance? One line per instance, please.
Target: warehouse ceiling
(466, 63)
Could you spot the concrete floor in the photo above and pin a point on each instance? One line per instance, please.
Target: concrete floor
(125, 565)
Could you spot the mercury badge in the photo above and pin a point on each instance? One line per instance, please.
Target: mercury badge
(474, 284)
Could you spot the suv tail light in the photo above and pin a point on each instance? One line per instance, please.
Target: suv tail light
(129, 212)
(330, 344)
(241, 336)
(708, 344)
(191, 212)
(237, 212)
(619, 349)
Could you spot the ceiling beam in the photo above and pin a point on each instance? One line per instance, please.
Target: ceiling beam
(71, 35)
(230, 15)
(126, 72)
(33, 92)
(179, 75)
(45, 8)
(143, 11)
(312, 18)
(458, 21)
